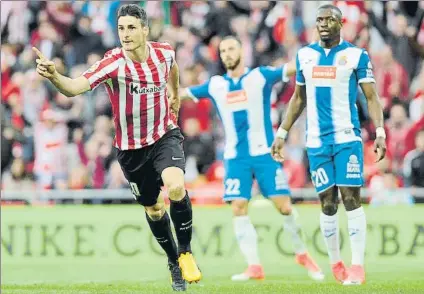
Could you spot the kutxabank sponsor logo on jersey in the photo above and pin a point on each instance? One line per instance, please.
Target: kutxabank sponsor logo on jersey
(136, 88)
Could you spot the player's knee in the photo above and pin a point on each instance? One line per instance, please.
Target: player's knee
(239, 208)
(329, 207)
(351, 197)
(283, 205)
(156, 211)
(329, 201)
(351, 203)
(286, 210)
(176, 192)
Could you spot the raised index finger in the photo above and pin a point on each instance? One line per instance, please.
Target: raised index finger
(39, 54)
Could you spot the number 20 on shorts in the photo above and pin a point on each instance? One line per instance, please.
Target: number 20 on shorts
(319, 177)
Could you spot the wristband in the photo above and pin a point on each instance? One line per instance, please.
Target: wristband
(281, 133)
(380, 133)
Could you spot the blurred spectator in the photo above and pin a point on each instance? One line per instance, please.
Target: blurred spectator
(115, 178)
(383, 183)
(397, 37)
(84, 41)
(198, 148)
(34, 96)
(9, 136)
(195, 16)
(391, 77)
(383, 190)
(218, 20)
(103, 20)
(413, 168)
(15, 17)
(50, 139)
(96, 151)
(46, 38)
(416, 107)
(17, 178)
(61, 15)
(410, 136)
(354, 18)
(397, 125)
(295, 171)
(413, 32)
(79, 178)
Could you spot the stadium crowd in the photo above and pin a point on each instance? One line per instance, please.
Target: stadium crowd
(49, 141)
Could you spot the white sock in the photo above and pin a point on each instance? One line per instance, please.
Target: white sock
(357, 226)
(247, 239)
(330, 231)
(293, 228)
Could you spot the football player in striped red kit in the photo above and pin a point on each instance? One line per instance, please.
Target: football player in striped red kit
(137, 77)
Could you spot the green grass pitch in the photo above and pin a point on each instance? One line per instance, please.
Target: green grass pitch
(94, 249)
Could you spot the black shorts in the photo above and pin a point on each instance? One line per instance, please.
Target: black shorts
(143, 167)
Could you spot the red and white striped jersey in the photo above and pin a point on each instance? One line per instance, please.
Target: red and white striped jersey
(138, 94)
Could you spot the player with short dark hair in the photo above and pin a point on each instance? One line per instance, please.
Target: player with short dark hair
(327, 75)
(242, 97)
(148, 140)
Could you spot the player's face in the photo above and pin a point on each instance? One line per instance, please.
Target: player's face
(131, 33)
(230, 52)
(328, 25)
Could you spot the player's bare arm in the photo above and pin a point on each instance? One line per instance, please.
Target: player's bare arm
(291, 68)
(376, 113)
(67, 86)
(296, 106)
(174, 90)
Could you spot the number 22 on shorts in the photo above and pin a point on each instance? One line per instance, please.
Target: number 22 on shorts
(232, 186)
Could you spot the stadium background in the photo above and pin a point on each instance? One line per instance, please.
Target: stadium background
(58, 150)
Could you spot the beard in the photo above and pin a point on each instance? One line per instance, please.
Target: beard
(233, 66)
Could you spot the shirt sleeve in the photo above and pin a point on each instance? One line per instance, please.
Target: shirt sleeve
(364, 71)
(200, 91)
(300, 78)
(274, 74)
(100, 71)
(170, 51)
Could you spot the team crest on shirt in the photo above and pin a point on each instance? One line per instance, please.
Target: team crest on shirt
(342, 60)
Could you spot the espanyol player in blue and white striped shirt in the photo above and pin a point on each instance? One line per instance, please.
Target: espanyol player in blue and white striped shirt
(327, 75)
(243, 99)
